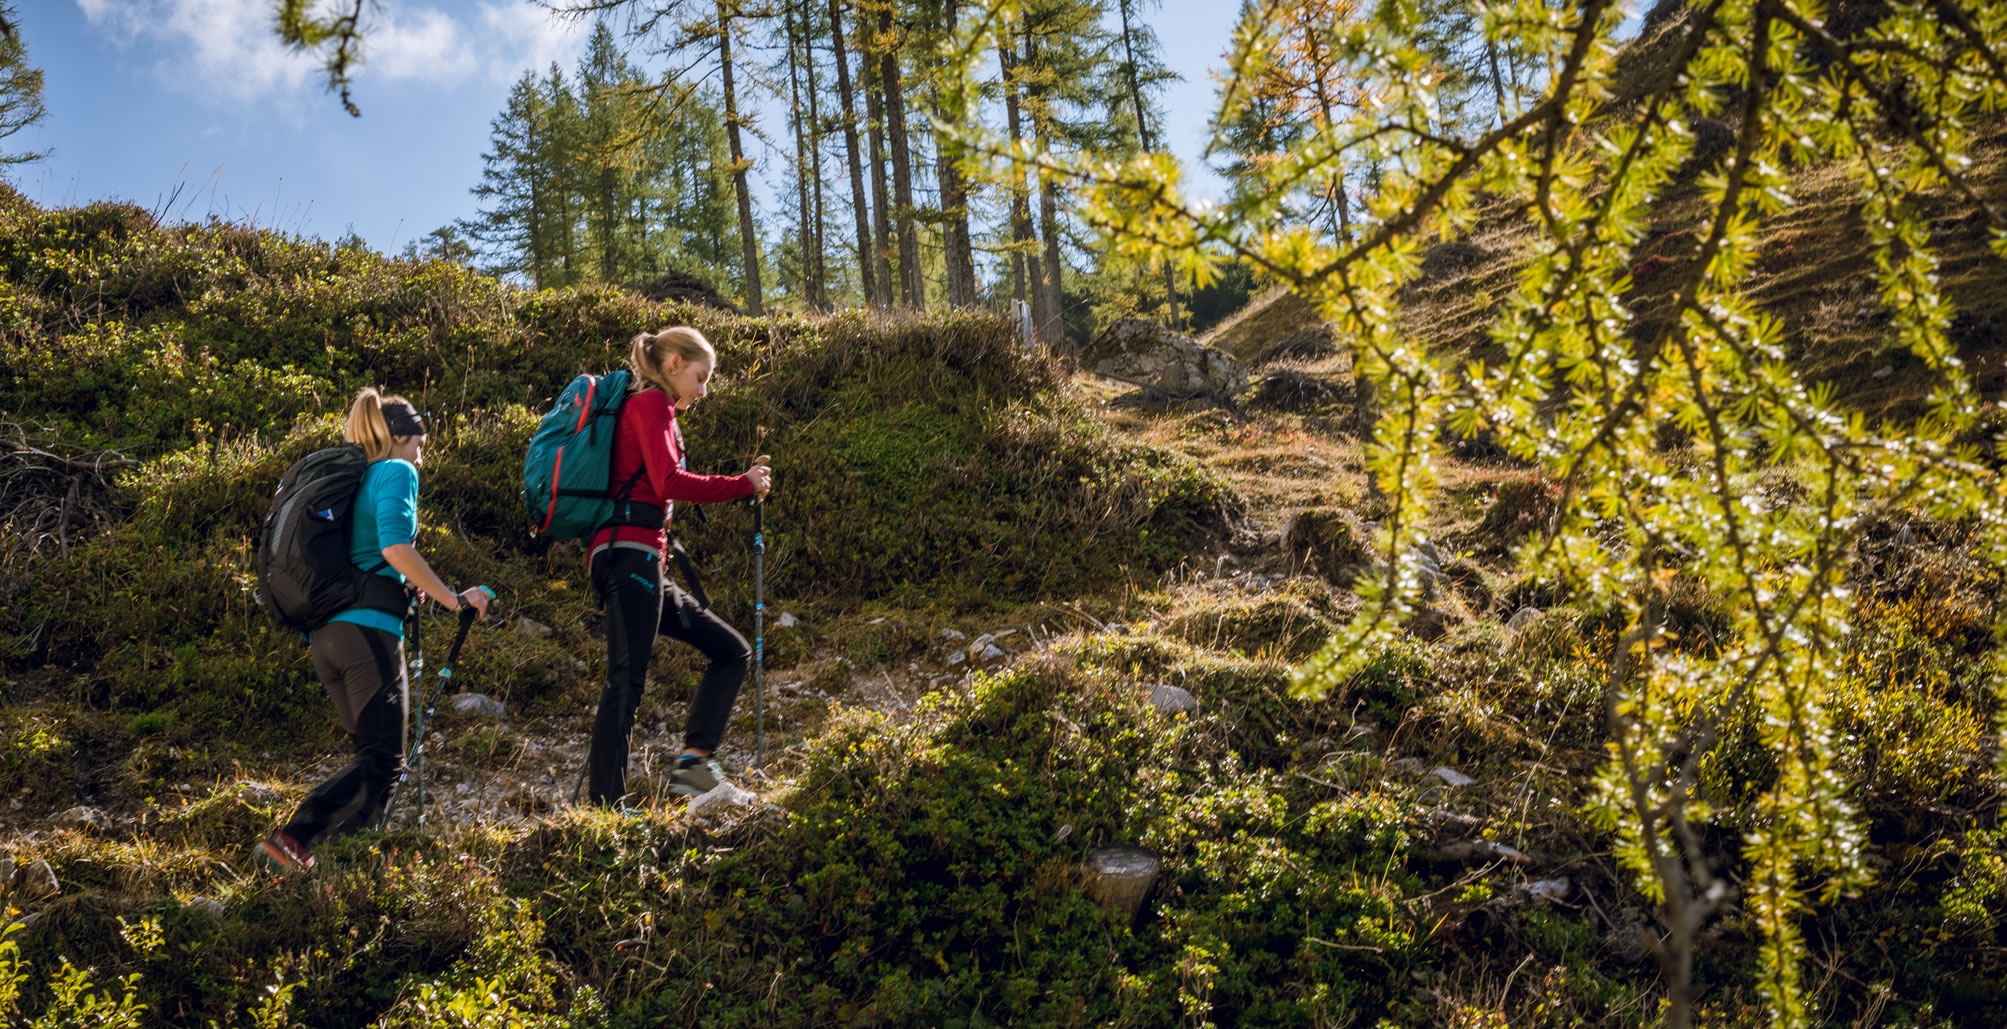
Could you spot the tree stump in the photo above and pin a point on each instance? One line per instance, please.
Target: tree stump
(1119, 878)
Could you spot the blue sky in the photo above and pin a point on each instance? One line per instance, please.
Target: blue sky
(150, 97)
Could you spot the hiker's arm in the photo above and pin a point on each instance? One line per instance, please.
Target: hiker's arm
(405, 558)
(671, 482)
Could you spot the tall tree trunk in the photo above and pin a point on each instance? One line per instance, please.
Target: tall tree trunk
(1026, 283)
(912, 281)
(1320, 72)
(748, 238)
(1053, 329)
(874, 120)
(1143, 139)
(804, 166)
(961, 264)
(862, 210)
(1497, 81)
(815, 138)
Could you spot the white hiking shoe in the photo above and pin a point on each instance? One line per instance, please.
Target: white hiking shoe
(695, 776)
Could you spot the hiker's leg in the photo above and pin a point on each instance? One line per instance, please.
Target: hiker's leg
(729, 655)
(362, 671)
(629, 584)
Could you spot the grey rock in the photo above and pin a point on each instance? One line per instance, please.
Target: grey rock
(532, 628)
(956, 658)
(205, 905)
(1169, 365)
(82, 817)
(786, 621)
(474, 705)
(1451, 776)
(6, 872)
(257, 794)
(1884, 371)
(991, 654)
(36, 880)
(726, 795)
(1522, 618)
(953, 635)
(1545, 891)
(1172, 700)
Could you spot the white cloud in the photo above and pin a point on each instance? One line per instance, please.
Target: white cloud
(424, 45)
(227, 49)
(520, 37)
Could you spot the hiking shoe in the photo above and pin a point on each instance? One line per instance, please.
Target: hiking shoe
(695, 776)
(285, 853)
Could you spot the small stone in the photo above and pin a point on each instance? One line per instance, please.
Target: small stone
(6, 872)
(786, 621)
(205, 905)
(956, 657)
(1522, 618)
(532, 628)
(880, 620)
(35, 881)
(1172, 700)
(82, 817)
(1884, 371)
(991, 654)
(256, 794)
(1451, 776)
(474, 705)
(953, 635)
(1545, 891)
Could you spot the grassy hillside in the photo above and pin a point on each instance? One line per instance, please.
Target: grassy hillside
(1414, 850)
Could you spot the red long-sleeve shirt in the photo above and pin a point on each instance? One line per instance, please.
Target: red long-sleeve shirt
(648, 440)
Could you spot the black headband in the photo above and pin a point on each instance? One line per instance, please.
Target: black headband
(403, 420)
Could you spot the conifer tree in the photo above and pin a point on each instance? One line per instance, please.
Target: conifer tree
(517, 188)
(20, 90)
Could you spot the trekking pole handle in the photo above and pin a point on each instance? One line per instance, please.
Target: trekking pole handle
(459, 640)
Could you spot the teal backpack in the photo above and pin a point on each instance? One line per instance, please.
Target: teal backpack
(567, 474)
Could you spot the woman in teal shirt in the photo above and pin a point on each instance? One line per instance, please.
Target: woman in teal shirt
(359, 654)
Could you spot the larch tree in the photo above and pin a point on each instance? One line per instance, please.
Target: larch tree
(1660, 435)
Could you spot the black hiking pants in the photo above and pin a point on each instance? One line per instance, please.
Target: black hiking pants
(362, 671)
(640, 605)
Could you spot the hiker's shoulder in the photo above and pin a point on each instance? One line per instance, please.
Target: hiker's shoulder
(393, 473)
(648, 405)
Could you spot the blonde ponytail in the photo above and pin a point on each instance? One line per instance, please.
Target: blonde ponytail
(649, 353)
(367, 427)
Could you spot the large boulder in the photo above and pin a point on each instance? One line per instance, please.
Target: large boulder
(1168, 365)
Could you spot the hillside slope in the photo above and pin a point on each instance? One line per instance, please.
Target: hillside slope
(1413, 850)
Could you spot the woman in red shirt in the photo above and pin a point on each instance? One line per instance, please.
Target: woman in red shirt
(673, 369)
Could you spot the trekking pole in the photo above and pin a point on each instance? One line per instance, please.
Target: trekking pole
(417, 755)
(759, 628)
